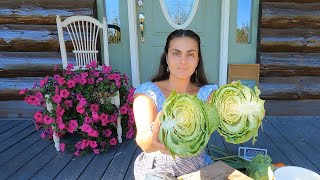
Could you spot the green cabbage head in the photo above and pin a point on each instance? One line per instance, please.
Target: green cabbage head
(240, 110)
(184, 124)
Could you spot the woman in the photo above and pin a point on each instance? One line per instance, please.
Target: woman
(180, 70)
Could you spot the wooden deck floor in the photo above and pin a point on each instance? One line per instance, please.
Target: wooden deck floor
(24, 155)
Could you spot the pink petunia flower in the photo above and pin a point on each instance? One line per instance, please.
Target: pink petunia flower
(56, 77)
(94, 133)
(71, 83)
(96, 151)
(83, 101)
(93, 144)
(68, 103)
(90, 81)
(95, 116)
(104, 119)
(106, 69)
(56, 98)
(94, 107)
(38, 117)
(113, 141)
(64, 93)
(62, 147)
(47, 120)
(86, 128)
(77, 153)
(61, 81)
(80, 109)
(124, 109)
(130, 134)
(107, 133)
(61, 126)
(23, 91)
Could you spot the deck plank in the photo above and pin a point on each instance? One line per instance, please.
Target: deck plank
(129, 175)
(290, 150)
(2, 122)
(9, 125)
(274, 152)
(16, 149)
(54, 167)
(14, 130)
(18, 161)
(74, 169)
(33, 166)
(308, 132)
(216, 140)
(16, 138)
(99, 164)
(299, 143)
(118, 167)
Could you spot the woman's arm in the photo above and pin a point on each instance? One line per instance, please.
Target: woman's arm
(147, 123)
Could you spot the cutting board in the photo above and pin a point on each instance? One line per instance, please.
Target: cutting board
(217, 171)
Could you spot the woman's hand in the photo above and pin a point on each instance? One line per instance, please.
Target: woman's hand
(155, 135)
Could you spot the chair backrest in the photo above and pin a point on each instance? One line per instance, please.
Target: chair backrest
(244, 72)
(83, 32)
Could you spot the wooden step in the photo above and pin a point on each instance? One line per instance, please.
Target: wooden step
(10, 87)
(289, 64)
(279, 15)
(41, 11)
(17, 109)
(30, 64)
(290, 88)
(308, 107)
(32, 38)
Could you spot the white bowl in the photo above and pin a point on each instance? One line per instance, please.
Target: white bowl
(295, 173)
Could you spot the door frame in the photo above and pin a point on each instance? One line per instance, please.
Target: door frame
(133, 39)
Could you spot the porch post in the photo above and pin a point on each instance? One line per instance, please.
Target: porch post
(224, 42)
(132, 17)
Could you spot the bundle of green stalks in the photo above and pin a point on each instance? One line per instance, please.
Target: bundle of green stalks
(232, 160)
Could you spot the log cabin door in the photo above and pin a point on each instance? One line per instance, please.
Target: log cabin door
(163, 16)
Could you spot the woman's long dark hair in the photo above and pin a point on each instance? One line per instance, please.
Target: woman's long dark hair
(198, 78)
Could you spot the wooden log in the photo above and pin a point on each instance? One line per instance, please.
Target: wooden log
(285, 33)
(33, 38)
(42, 11)
(290, 88)
(59, 4)
(289, 64)
(30, 64)
(292, 1)
(289, 6)
(309, 107)
(290, 44)
(10, 87)
(286, 21)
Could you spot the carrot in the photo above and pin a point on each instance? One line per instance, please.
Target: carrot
(279, 164)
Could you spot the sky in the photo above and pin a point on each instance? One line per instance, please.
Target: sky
(244, 11)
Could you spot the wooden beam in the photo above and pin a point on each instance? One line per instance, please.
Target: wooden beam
(290, 88)
(292, 1)
(308, 107)
(30, 64)
(289, 64)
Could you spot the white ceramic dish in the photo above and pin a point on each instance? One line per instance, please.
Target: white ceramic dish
(295, 173)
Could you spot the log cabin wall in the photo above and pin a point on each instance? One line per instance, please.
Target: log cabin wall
(289, 51)
(29, 46)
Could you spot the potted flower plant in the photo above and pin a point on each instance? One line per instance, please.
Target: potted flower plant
(83, 103)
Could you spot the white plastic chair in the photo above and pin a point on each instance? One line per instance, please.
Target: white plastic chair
(83, 32)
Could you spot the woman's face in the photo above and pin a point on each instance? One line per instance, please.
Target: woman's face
(182, 57)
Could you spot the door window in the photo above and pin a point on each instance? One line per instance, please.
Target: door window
(179, 13)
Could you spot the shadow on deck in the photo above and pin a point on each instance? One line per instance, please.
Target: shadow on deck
(293, 140)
